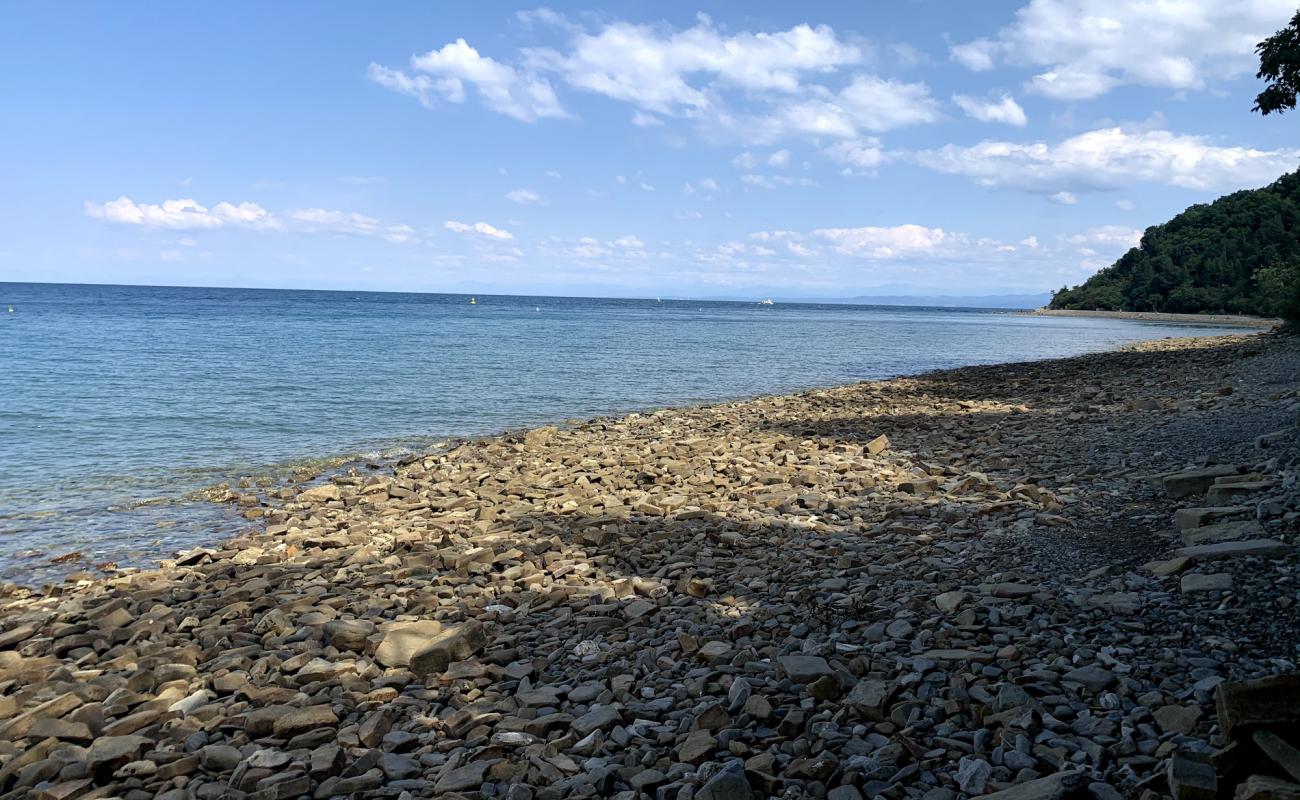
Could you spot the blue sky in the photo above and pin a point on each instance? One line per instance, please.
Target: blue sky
(809, 149)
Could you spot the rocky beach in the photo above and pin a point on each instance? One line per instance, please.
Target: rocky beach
(1034, 581)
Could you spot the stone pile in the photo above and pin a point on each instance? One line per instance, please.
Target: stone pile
(1259, 726)
(955, 585)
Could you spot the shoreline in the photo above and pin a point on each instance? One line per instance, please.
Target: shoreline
(1226, 320)
(860, 586)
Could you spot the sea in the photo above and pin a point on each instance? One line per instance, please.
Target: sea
(120, 405)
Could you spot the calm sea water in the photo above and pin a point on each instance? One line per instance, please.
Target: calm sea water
(116, 402)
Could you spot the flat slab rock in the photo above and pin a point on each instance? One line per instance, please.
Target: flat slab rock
(1263, 548)
(1274, 700)
(1230, 530)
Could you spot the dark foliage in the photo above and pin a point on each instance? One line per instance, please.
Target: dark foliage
(1279, 65)
(1237, 255)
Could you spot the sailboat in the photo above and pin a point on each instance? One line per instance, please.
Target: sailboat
(767, 302)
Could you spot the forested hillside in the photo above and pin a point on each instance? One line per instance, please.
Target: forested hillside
(1239, 254)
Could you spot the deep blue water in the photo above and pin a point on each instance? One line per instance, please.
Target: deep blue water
(117, 401)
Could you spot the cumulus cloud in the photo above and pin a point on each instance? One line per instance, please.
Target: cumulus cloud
(1109, 236)
(1001, 109)
(760, 86)
(525, 197)
(1064, 198)
(478, 228)
(320, 219)
(445, 72)
(187, 214)
(866, 153)
(1111, 158)
(671, 72)
(1087, 47)
(183, 214)
(883, 243)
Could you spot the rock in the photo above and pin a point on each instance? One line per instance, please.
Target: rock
(453, 644)
(302, 720)
(1052, 787)
(321, 494)
(877, 445)
(697, 747)
(1198, 582)
(402, 640)
(1274, 700)
(219, 758)
(1194, 481)
(949, 602)
(972, 775)
(349, 634)
(726, 785)
(804, 669)
(1177, 719)
(461, 779)
(1279, 751)
(111, 752)
(1191, 780)
(1266, 787)
(1231, 530)
(870, 698)
(1225, 493)
(597, 719)
(1095, 679)
(1185, 518)
(1260, 548)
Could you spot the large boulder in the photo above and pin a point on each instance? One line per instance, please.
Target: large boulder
(453, 644)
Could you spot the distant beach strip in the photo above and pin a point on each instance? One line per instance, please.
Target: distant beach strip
(1233, 320)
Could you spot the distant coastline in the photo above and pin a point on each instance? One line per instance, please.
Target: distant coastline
(1234, 320)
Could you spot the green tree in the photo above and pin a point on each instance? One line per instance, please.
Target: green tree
(1279, 65)
(1280, 284)
(1212, 258)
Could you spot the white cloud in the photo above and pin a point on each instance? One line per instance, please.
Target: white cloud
(645, 187)
(1110, 236)
(525, 197)
(1124, 204)
(188, 214)
(1003, 109)
(1064, 198)
(644, 120)
(863, 153)
(479, 228)
(976, 56)
(522, 95)
(705, 187)
(1087, 47)
(183, 214)
(630, 242)
(783, 84)
(781, 158)
(315, 220)
(773, 181)
(553, 173)
(1111, 158)
(885, 243)
(657, 69)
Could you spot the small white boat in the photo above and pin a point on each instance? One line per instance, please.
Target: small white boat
(473, 301)
(767, 302)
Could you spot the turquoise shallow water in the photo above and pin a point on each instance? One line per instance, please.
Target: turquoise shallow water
(115, 401)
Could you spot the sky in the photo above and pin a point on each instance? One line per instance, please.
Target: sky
(812, 149)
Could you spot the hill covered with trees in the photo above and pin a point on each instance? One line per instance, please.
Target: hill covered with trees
(1237, 255)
